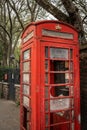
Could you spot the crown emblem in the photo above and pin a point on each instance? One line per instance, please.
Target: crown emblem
(58, 27)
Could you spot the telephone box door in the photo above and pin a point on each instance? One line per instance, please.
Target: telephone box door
(59, 96)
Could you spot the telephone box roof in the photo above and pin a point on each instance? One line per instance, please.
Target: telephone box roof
(48, 21)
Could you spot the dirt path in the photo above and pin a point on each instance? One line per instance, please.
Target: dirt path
(9, 115)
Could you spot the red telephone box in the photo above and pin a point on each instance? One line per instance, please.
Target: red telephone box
(49, 94)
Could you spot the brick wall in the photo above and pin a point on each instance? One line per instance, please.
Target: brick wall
(17, 93)
(4, 91)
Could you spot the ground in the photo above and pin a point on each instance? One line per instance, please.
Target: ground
(9, 115)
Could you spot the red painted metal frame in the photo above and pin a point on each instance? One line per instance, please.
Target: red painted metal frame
(37, 44)
(76, 89)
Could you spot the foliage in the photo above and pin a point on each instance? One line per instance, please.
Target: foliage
(17, 103)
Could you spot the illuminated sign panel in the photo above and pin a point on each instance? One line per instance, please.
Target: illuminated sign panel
(57, 34)
(30, 35)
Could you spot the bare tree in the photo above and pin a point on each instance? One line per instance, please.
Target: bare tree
(3, 31)
(82, 6)
(15, 15)
(8, 29)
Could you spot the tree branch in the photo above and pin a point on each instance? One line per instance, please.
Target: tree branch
(5, 31)
(13, 7)
(84, 18)
(10, 19)
(16, 42)
(29, 6)
(53, 10)
(75, 18)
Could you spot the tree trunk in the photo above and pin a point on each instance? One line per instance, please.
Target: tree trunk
(72, 18)
(5, 56)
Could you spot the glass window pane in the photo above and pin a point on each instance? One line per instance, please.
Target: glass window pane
(26, 101)
(29, 115)
(46, 52)
(46, 92)
(73, 113)
(71, 90)
(26, 54)
(66, 77)
(66, 65)
(71, 54)
(60, 78)
(59, 53)
(26, 78)
(46, 106)
(56, 91)
(47, 119)
(46, 78)
(59, 104)
(26, 66)
(26, 38)
(57, 34)
(72, 103)
(71, 66)
(46, 65)
(73, 126)
(26, 89)
(71, 78)
(56, 65)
